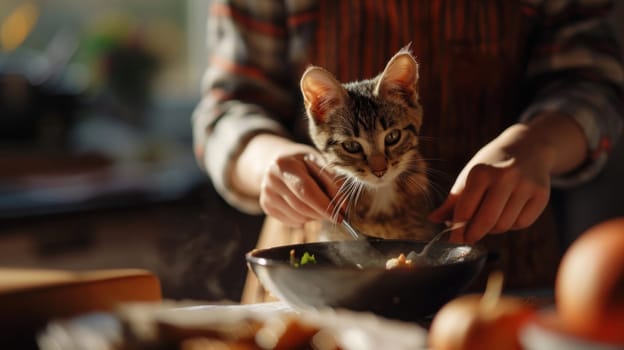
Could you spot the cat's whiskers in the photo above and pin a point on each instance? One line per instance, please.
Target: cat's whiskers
(423, 189)
(360, 186)
(335, 204)
(353, 192)
(347, 196)
(339, 199)
(433, 186)
(351, 186)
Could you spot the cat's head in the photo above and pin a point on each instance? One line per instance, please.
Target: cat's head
(367, 129)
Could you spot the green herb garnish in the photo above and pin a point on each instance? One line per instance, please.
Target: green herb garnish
(307, 258)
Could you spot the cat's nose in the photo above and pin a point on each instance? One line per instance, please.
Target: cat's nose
(378, 164)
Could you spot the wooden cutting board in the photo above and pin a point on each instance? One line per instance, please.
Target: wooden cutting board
(29, 298)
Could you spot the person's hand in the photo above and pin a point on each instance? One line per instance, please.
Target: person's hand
(505, 186)
(296, 188)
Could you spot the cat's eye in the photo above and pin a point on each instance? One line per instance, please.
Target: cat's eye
(352, 146)
(393, 137)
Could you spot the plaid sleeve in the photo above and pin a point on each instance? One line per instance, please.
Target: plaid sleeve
(247, 88)
(576, 69)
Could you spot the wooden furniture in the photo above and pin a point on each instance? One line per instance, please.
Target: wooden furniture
(29, 298)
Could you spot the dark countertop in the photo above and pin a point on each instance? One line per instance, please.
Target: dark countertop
(35, 184)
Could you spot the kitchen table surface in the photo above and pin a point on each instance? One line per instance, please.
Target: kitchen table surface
(177, 323)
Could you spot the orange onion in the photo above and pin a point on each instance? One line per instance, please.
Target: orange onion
(488, 321)
(589, 290)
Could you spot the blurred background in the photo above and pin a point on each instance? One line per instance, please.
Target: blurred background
(96, 161)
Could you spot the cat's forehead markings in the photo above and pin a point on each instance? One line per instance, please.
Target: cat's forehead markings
(367, 118)
(366, 124)
(384, 122)
(361, 104)
(355, 128)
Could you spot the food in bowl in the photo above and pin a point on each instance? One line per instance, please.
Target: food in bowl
(400, 261)
(352, 275)
(305, 259)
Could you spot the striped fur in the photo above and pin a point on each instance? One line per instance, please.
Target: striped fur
(368, 132)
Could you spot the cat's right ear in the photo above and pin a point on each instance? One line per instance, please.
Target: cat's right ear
(322, 93)
(400, 78)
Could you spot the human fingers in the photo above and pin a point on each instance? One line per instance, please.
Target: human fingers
(532, 209)
(275, 188)
(324, 177)
(274, 205)
(469, 198)
(456, 236)
(304, 195)
(491, 207)
(512, 210)
(290, 176)
(308, 188)
(297, 200)
(330, 186)
(277, 200)
(445, 210)
(478, 180)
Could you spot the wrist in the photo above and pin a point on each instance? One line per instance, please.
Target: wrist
(528, 147)
(249, 168)
(561, 140)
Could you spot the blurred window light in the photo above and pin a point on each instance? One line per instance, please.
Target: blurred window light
(14, 29)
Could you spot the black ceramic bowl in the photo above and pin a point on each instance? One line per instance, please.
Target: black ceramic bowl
(336, 280)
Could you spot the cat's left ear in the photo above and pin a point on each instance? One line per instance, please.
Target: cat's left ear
(400, 79)
(322, 93)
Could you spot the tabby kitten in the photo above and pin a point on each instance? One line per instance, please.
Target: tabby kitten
(368, 131)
